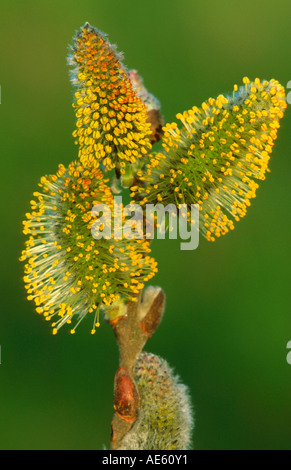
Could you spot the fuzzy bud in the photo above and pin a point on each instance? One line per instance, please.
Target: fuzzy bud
(165, 417)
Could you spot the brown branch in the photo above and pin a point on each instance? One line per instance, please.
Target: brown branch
(132, 332)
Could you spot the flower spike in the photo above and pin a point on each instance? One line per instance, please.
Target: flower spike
(165, 419)
(112, 127)
(68, 273)
(218, 156)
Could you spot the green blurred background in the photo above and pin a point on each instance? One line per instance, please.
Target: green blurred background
(227, 321)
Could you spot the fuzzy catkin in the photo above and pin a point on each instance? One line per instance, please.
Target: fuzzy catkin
(165, 419)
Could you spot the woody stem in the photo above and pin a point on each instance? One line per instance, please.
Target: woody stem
(132, 332)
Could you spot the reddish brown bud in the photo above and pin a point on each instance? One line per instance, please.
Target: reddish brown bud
(156, 120)
(126, 397)
(154, 315)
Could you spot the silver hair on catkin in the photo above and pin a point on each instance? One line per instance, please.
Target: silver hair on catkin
(165, 419)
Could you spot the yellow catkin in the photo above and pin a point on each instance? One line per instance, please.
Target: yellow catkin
(220, 154)
(111, 127)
